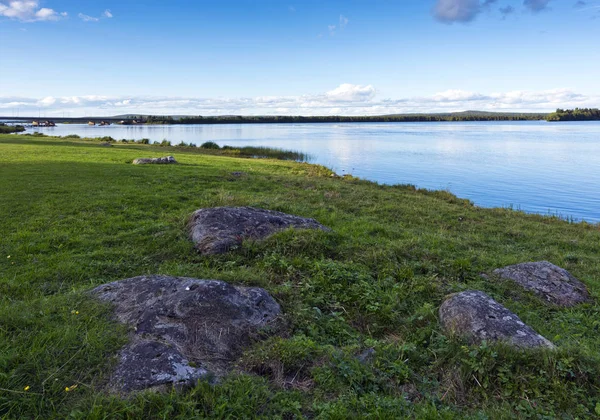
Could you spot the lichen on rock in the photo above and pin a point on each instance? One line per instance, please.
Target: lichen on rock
(183, 329)
(217, 230)
(553, 284)
(477, 317)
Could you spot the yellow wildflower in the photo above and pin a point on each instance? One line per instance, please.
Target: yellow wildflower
(27, 388)
(70, 388)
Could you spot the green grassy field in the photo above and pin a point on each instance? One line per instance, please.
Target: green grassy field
(74, 215)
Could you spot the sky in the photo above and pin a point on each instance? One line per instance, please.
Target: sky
(270, 57)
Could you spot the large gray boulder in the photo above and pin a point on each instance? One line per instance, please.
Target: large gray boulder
(553, 284)
(155, 161)
(217, 230)
(182, 329)
(477, 317)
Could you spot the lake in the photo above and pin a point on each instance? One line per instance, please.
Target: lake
(535, 166)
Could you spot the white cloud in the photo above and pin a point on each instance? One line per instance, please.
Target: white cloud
(28, 11)
(349, 93)
(346, 99)
(450, 11)
(87, 18)
(107, 14)
(331, 29)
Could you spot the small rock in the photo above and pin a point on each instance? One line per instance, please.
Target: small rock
(106, 145)
(477, 317)
(155, 161)
(217, 230)
(366, 356)
(182, 329)
(553, 284)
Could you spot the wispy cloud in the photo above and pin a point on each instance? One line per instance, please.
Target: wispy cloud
(29, 11)
(291, 9)
(464, 11)
(450, 11)
(107, 14)
(343, 21)
(506, 11)
(346, 99)
(87, 18)
(536, 6)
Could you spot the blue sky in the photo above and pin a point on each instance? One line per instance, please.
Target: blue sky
(297, 57)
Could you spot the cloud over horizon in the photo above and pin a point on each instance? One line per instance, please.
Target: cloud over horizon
(346, 99)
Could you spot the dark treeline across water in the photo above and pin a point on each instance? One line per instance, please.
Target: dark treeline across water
(296, 119)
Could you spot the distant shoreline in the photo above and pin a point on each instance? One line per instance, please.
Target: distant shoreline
(288, 119)
(560, 115)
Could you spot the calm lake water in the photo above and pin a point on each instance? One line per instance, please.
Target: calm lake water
(533, 166)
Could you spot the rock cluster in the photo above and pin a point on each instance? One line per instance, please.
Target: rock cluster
(478, 317)
(155, 161)
(217, 230)
(182, 329)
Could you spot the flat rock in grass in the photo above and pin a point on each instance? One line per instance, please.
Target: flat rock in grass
(183, 329)
(155, 161)
(477, 317)
(217, 230)
(552, 283)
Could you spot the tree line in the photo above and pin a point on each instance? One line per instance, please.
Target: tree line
(577, 114)
(239, 119)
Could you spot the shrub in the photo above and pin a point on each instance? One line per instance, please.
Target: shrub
(210, 145)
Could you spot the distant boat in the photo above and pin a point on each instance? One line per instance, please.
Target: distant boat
(91, 123)
(104, 123)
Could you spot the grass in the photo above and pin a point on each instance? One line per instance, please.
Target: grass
(74, 215)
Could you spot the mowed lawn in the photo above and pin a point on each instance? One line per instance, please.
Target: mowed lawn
(74, 215)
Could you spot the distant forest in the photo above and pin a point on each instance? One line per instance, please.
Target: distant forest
(238, 119)
(577, 114)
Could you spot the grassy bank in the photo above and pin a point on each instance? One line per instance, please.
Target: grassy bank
(74, 215)
(208, 148)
